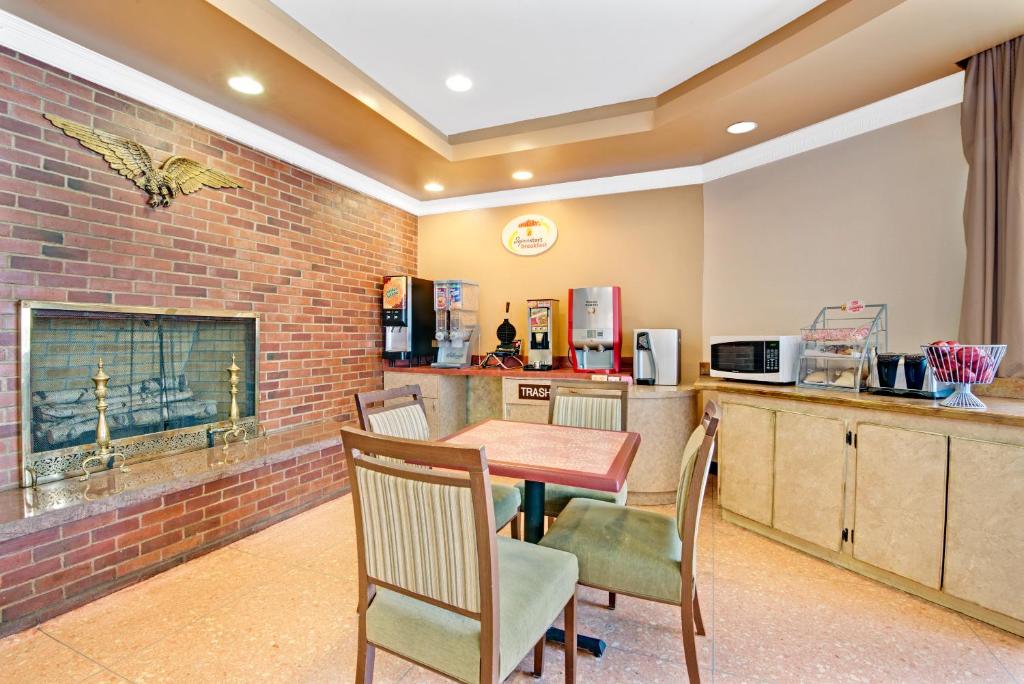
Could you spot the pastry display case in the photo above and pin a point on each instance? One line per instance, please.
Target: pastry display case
(837, 348)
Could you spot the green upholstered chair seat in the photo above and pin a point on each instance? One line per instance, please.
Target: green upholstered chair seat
(506, 500)
(534, 585)
(557, 497)
(620, 549)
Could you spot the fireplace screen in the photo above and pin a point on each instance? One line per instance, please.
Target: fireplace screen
(167, 374)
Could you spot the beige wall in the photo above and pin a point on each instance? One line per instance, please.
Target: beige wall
(877, 217)
(649, 243)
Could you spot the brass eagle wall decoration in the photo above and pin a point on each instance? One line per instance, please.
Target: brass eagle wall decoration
(131, 160)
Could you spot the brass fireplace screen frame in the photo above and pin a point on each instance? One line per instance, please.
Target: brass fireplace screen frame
(137, 448)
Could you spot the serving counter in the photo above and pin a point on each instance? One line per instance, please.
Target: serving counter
(919, 496)
(664, 416)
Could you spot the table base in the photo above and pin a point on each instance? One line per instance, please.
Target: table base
(533, 530)
(583, 642)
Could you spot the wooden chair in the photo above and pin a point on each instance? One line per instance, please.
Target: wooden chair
(408, 419)
(437, 586)
(645, 554)
(598, 405)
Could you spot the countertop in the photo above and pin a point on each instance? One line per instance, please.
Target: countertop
(23, 511)
(556, 374)
(1000, 410)
(635, 391)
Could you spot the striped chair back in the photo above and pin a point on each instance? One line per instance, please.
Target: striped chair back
(599, 405)
(420, 532)
(407, 419)
(693, 478)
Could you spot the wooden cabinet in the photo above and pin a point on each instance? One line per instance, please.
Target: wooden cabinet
(810, 476)
(745, 461)
(931, 504)
(900, 501)
(985, 525)
(444, 399)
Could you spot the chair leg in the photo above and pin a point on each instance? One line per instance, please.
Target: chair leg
(690, 643)
(570, 640)
(364, 662)
(538, 658)
(697, 619)
(611, 600)
(514, 529)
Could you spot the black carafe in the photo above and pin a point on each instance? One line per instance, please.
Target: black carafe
(644, 370)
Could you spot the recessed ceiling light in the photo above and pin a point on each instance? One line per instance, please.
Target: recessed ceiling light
(433, 187)
(246, 84)
(458, 83)
(523, 175)
(742, 127)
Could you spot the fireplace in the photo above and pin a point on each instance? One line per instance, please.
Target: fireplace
(168, 390)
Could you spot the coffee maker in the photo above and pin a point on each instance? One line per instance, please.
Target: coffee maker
(456, 304)
(407, 320)
(595, 329)
(542, 315)
(656, 356)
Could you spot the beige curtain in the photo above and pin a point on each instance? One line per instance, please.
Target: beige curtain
(992, 125)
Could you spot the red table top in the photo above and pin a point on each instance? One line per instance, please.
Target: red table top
(576, 457)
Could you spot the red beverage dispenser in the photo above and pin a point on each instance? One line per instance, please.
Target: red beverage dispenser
(595, 329)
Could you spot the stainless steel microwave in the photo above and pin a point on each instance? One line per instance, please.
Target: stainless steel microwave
(756, 358)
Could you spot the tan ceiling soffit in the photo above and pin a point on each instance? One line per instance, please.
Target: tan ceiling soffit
(914, 43)
(827, 22)
(588, 124)
(50, 48)
(275, 25)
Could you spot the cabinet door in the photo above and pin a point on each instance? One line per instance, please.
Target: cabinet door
(985, 525)
(810, 476)
(746, 442)
(430, 407)
(452, 404)
(900, 509)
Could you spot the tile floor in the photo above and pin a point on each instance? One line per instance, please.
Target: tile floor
(278, 607)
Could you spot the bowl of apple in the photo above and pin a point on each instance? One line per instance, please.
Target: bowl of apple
(963, 365)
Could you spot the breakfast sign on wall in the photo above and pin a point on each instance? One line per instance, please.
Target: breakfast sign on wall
(529, 235)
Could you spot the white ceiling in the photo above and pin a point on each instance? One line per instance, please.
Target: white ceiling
(534, 58)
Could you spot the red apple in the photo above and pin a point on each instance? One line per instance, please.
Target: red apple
(971, 358)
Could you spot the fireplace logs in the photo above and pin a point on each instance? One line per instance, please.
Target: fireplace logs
(61, 418)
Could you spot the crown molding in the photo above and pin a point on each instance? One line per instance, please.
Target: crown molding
(45, 46)
(609, 185)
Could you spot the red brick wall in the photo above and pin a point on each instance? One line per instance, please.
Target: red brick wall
(51, 571)
(305, 253)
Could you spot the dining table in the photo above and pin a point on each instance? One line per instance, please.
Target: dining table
(540, 454)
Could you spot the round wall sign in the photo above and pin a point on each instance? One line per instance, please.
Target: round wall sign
(529, 235)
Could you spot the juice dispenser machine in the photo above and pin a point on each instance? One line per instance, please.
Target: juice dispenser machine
(542, 315)
(595, 329)
(456, 303)
(407, 320)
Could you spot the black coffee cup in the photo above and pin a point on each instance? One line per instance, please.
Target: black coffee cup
(888, 365)
(915, 368)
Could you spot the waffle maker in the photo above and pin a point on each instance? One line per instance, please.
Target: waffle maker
(508, 348)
